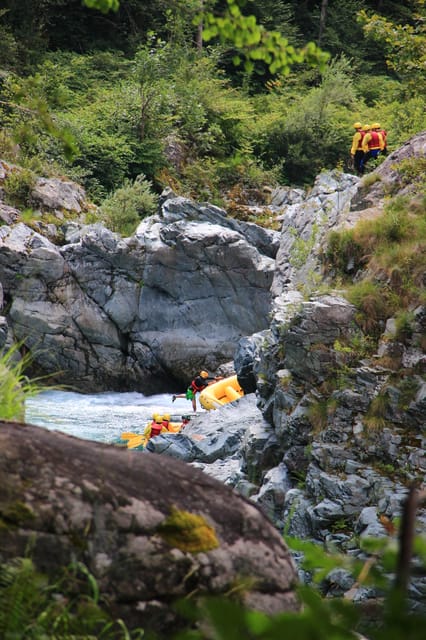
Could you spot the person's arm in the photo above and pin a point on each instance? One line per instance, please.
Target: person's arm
(365, 142)
(355, 141)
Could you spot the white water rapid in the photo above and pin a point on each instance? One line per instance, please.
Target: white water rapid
(102, 416)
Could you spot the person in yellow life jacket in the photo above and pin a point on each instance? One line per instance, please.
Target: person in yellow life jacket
(166, 421)
(372, 144)
(154, 428)
(356, 150)
(173, 427)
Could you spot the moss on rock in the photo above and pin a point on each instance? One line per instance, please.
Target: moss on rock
(188, 532)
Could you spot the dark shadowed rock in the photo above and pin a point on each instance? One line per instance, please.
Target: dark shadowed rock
(150, 530)
(244, 359)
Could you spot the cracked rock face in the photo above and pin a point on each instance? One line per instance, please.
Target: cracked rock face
(149, 533)
(141, 312)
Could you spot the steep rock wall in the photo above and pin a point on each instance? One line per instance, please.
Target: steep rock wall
(144, 312)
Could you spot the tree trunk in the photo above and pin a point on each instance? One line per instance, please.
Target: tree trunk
(323, 20)
(199, 41)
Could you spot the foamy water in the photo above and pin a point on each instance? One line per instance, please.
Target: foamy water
(101, 416)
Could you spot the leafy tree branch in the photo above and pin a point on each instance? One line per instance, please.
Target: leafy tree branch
(103, 5)
(254, 43)
(404, 45)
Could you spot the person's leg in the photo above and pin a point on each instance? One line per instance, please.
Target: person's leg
(358, 161)
(194, 403)
(364, 161)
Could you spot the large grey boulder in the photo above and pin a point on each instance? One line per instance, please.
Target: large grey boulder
(142, 312)
(59, 195)
(150, 533)
(174, 208)
(210, 436)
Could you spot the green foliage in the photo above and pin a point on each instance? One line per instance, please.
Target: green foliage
(27, 118)
(103, 5)
(18, 186)
(168, 111)
(408, 387)
(127, 206)
(181, 115)
(404, 325)
(308, 131)
(320, 618)
(301, 249)
(343, 254)
(32, 608)
(254, 43)
(375, 418)
(9, 46)
(19, 597)
(412, 171)
(404, 117)
(374, 305)
(103, 158)
(15, 387)
(392, 248)
(227, 620)
(405, 45)
(319, 413)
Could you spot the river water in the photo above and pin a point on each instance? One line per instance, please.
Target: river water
(102, 416)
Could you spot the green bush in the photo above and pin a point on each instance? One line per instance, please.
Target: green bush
(127, 206)
(343, 254)
(312, 132)
(15, 387)
(331, 618)
(32, 608)
(412, 171)
(374, 305)
(9, 50)
(18, 186)
(391, 249)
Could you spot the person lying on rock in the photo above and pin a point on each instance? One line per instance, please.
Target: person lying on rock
(196, 385)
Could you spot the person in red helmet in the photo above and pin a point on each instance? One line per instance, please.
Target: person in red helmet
(196, 385)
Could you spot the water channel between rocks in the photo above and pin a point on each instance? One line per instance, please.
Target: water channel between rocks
(102, 417)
